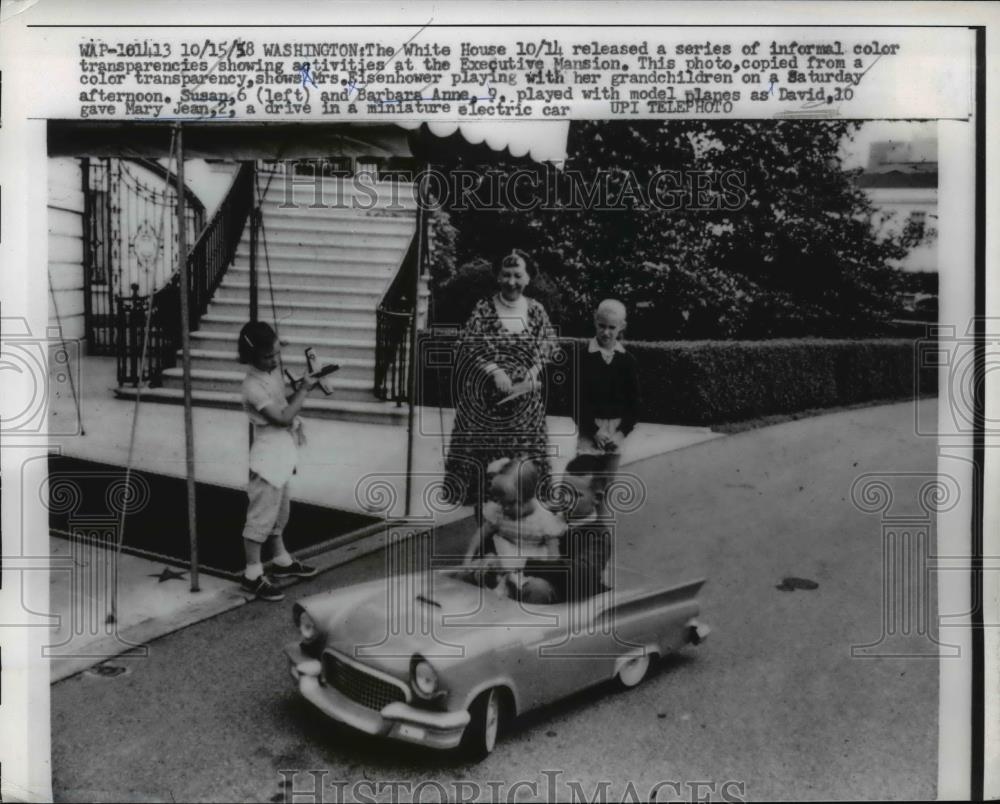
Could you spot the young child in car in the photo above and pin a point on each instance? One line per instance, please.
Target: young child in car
(515, 528)
(587, 541)
(581, 571)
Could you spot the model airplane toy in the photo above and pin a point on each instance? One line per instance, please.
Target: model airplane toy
(314, 370)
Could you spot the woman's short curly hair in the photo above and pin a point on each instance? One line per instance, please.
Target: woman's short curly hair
(519, 258)
(256, 337)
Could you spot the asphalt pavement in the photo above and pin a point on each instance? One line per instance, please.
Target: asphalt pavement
(772, 706)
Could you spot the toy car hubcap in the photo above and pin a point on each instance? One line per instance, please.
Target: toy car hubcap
(492, 721)
(634, 670)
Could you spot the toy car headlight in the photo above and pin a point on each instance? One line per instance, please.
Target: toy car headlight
(423, 677)
(307, 627)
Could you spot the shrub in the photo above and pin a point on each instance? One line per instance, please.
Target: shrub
(713, 382)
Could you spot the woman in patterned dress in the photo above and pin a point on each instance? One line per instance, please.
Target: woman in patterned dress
(500, 401)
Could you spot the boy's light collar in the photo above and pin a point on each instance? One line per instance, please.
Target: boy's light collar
(594, 346)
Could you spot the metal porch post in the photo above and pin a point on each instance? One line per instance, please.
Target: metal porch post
(182, 257)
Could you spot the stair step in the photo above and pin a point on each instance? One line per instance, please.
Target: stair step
(389, 256)
(306, 328)
(336, 349)
(224, 379)
(341, 194)
(373, 412)
(329, 293)
(378, 220)
(315, 231)
(331, 347)
(317, 275)
(292, 359)
(355, 372)
(205, 379)
(335, 265)
(285, 311)
(305, 217)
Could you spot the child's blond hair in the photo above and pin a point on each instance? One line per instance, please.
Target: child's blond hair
(613, 307)
(523, 472)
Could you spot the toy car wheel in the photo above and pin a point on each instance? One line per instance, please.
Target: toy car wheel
(480, 735)
(633, 671)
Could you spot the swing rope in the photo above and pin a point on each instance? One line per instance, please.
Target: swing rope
(113, 616)
(69, 368)
(267, 260)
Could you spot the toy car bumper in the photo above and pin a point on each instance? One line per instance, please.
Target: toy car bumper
(697, 632)
(397, 721)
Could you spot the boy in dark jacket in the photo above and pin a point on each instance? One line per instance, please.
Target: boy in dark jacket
(581, 571)
(608, 385)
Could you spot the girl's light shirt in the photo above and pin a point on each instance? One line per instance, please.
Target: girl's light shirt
(534, 536)
(275, 448)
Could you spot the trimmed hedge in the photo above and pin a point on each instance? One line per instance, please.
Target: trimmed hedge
(712, 382)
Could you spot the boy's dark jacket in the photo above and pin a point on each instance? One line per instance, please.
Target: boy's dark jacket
(607, 391)
(585, 549)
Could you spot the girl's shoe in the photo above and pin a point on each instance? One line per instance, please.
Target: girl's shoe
(262, 589)
(294, 570)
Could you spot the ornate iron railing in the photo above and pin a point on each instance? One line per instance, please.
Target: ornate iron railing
(131, 318)
(130, 237)
(208, 260)
(394, 326)
(215, 249)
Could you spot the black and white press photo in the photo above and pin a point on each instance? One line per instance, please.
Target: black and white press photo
(443, 413)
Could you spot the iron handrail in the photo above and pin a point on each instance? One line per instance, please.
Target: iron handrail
(394, 326)
(208, 259)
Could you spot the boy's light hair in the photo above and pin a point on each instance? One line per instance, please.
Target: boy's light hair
(612, 307)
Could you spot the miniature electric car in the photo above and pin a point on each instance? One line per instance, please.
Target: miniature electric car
(441, 660)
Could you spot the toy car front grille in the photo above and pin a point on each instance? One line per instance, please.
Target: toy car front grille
(360, 686)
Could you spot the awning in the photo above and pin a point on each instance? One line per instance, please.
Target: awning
(542, 141)
(241, 140)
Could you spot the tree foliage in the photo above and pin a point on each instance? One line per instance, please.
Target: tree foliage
(791, 249)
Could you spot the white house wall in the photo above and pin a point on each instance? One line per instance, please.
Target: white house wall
(902, 201)
(65, 209)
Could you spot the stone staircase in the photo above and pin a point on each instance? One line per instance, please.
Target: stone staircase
(325, 270)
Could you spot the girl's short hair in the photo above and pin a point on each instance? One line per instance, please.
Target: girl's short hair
(523, 473)
(516, 258)
(256, 337)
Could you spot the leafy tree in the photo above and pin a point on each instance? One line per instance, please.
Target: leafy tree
(709, 229)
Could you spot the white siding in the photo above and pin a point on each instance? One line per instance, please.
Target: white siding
(65, 209)
(901, 202)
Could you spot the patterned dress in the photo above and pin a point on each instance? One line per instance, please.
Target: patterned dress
(486, 428)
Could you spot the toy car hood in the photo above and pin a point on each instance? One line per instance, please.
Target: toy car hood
(388, 620)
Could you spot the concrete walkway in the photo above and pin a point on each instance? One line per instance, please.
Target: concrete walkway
(346, 465)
